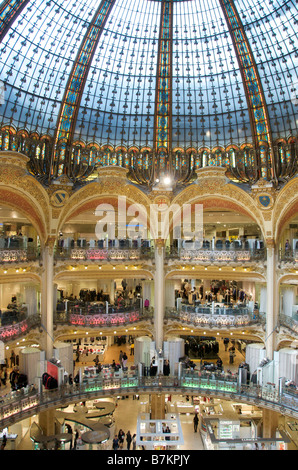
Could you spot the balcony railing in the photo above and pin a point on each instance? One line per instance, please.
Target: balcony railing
(25, 402)
(18, 329)
(103, 254)
(18, 255)
(219, 317)
(223, 255)
(288, 256)
(101, 316)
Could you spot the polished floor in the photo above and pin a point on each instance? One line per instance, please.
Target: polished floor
(127, 409)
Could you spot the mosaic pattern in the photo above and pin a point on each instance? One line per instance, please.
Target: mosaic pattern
(8, 11)
(163, 118)
(260, 121)
(77, 80)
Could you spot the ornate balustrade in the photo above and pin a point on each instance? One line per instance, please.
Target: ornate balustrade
(288, 256)
(21, 255)
(289, 322)
(219, 318)
(12, 332)
(26, 402)
(214, 256)
(218, 321)
(103, 254)
(113, 319)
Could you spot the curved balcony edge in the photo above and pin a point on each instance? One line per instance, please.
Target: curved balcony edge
(25, 405)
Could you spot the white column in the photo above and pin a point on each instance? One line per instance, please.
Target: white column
(272, 297)
(289, 295)
(263, 299)
(170, 294)
(49, 271)
(31, 299)
(159, 294)
(112, 292)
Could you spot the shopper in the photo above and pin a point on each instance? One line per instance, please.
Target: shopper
(3, 376)
(76, 439)
(134, 442)
(124, 360)
(4, 441)
(13, 378)
(120, 356)
(166, 368)
(12, 359)
(232, 355)
(128, 440)
(115, 443)
(195, 422)
(121, 436)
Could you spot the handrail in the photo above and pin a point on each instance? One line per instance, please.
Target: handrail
(288, 256)
(103, 254)
(11, 332)
(216, 254)
(25, 402)
(19, 255)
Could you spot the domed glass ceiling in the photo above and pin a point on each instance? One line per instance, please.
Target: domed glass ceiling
(153, 78)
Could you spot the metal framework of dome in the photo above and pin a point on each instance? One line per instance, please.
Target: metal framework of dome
(160, 87)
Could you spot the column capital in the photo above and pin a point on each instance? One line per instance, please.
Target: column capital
(160, 244)
(270, 242)
(50, 243)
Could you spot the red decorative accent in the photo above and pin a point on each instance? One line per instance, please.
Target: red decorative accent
(19, 203)
(290, 213)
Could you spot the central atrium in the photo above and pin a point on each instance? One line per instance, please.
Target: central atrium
(148, 225)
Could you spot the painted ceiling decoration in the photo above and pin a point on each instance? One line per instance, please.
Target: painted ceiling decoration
(159, 87)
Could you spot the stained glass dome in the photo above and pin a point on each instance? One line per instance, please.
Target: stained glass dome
(156, 86)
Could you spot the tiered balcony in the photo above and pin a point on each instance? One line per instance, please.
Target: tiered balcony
(220, 253)
(100, 314)
(17, 250)
(103, 254)
(24, 403)
(289, 256)
(211, 316)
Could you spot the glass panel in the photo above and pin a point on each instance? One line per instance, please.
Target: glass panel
(118, 101)
(209, 103)
(271, 28)
(36, 59)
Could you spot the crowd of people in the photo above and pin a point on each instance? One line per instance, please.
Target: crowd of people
(219, 291)
(120, 439)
